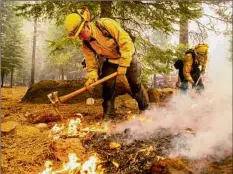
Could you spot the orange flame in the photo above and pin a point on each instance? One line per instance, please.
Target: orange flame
(89, 167)
(72, 130)
(73, 166)
(48, 168)
(55, 131)
(56, 128)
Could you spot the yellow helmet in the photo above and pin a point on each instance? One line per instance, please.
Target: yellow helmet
(201, 49)
(74, 22)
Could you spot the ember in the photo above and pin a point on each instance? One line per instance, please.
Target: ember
(125, 154)
(76, 129)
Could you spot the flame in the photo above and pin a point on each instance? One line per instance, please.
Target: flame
(73, 166)
(96, 128)
(105, 128)
(72, 130)
(100, 128)
(139, 117)
(89, 167)
(48, 168)
(57, 129)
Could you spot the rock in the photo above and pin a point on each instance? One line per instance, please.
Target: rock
(42, 125)
(90, 101)
(8, 126)
(160, 95)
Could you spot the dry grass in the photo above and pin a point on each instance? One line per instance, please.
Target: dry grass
(24, 150)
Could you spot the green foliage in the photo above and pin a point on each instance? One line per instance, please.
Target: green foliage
(179, 51)
(62, 49)
(12, 52)
(53, 9)
(158, 15)
(136, 16)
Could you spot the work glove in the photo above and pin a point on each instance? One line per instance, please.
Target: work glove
(203, 71)
(92, 77)
(121, 70)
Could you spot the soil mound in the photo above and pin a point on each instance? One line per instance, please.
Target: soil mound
(38, 92)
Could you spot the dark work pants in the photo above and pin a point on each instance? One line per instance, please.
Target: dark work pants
(195, 76)
(133, 75)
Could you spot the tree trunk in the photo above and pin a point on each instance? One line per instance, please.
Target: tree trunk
(23, 80)
(106, 9)
(34, 53)
(62, 73)
(184, 37)
(3, 74)
(154, 81)
(12, 72)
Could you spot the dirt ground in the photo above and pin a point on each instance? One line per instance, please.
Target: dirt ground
(26, 146)
(19, 154)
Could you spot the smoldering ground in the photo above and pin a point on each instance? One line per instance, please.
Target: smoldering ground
(208, 115)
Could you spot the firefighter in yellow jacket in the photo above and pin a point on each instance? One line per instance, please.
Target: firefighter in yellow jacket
(194, 64)
(107, 48)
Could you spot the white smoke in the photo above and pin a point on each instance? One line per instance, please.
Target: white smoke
(209, 115)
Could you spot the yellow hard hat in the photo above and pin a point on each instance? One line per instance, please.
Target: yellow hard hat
(201, 48)
(74, 22)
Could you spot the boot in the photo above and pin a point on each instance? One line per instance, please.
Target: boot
(142, 99)
(109, 110)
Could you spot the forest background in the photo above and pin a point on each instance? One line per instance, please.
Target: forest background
(35, 46)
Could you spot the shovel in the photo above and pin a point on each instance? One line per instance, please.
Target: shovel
(192, 92)
(55, 100)
(198, 80)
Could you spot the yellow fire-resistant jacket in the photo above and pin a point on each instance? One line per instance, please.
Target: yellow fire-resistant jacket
(188, 62)
(108, 47)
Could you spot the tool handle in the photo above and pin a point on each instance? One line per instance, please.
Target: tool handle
(198, 80)
(75, 93)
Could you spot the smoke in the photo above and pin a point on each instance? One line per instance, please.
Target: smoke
(209, 115)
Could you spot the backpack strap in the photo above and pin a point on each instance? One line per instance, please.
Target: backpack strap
(106, 33)
(103, 30)
(191, 51)
(88, 45)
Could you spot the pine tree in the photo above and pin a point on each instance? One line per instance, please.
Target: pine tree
(12, 52)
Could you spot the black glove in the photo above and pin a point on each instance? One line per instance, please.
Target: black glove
(83, 63)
